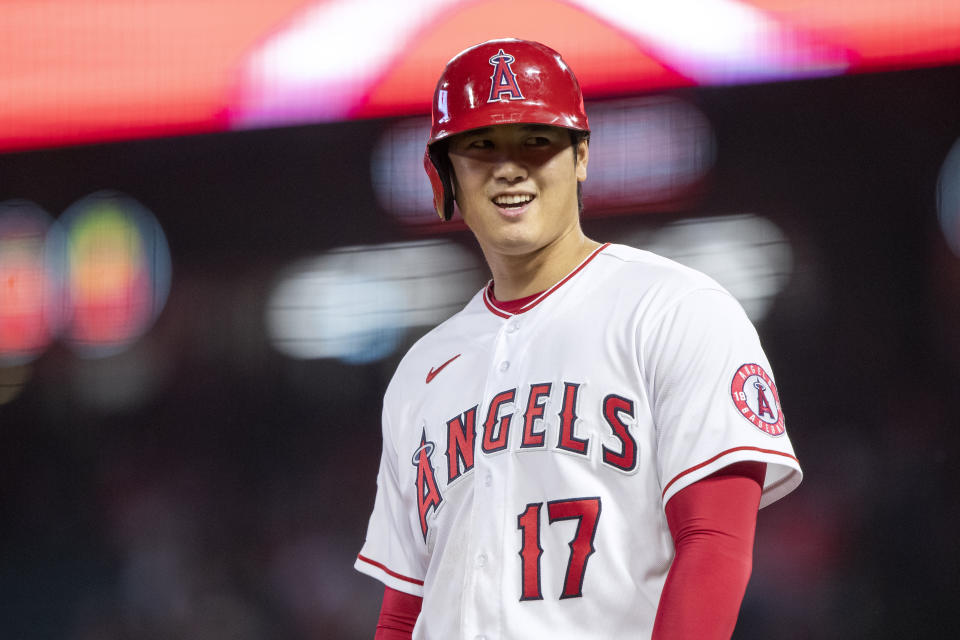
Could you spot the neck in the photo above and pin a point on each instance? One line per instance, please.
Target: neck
(519, 275)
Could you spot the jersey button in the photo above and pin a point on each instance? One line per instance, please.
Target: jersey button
(482, 560)
(513, 326)
(488, 479)
(504, 365)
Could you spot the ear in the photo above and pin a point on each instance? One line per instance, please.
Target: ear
(583, 156)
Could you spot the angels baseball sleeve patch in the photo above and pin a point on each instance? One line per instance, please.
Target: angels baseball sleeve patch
(755, 396)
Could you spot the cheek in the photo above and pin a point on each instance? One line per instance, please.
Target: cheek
(467, 172)
(561, 182)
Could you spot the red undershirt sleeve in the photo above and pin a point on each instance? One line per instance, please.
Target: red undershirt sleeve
(712, 523)
(398, 615)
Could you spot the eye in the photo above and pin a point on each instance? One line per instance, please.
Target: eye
(480, 143)
(538, 141)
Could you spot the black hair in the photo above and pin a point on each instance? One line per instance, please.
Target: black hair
(576, 137)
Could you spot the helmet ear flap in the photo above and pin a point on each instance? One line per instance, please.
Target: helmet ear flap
(437, 166)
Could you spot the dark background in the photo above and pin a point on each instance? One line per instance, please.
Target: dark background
(231, 502)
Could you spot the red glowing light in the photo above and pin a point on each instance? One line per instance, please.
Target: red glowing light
(118, 272)
(29, 284)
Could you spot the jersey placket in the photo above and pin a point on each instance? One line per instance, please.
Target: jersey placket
(489, 548)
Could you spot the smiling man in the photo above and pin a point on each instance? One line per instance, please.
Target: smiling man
(581, 451)
(516, 187)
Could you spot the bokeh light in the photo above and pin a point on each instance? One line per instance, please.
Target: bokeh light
(355, 304)
(399, 182)
(30, 281)
(118, 272)
(948, 198)
(645, 151)
(747, 254)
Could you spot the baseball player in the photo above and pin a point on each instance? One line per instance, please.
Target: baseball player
(581, 451)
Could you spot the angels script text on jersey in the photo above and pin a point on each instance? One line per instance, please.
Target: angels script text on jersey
(461, 434)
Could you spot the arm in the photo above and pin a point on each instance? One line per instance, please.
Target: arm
(398, 615)
(712, 523)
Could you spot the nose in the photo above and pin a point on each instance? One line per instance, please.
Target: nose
(509, 168)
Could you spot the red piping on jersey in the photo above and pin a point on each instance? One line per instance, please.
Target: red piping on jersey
(490, 306)
(493, 309)
(720, 455)
(392, 573)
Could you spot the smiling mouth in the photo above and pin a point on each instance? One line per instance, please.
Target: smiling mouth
(513, 201)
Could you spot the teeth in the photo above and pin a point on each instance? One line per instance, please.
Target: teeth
(510, 199)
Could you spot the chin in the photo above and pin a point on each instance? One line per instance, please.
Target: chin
(516, 243)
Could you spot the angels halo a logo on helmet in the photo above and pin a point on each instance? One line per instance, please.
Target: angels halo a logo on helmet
(755, 396)
(503, 85)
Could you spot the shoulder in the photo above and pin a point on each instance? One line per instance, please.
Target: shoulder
(448, 339)
(639, 261)
(653, 276)
(674, 305)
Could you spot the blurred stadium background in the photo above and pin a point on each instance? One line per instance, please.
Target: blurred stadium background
(216, 242)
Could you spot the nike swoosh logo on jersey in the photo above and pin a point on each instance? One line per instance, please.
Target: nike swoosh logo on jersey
(433, 372)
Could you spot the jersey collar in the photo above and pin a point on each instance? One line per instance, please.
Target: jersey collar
(543, 296)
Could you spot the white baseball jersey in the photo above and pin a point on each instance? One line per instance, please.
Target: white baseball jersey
(527, 457)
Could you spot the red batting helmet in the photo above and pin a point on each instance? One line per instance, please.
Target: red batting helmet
(506, 81)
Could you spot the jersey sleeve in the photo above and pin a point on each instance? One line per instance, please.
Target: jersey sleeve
(713, 396)
(391, 553)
